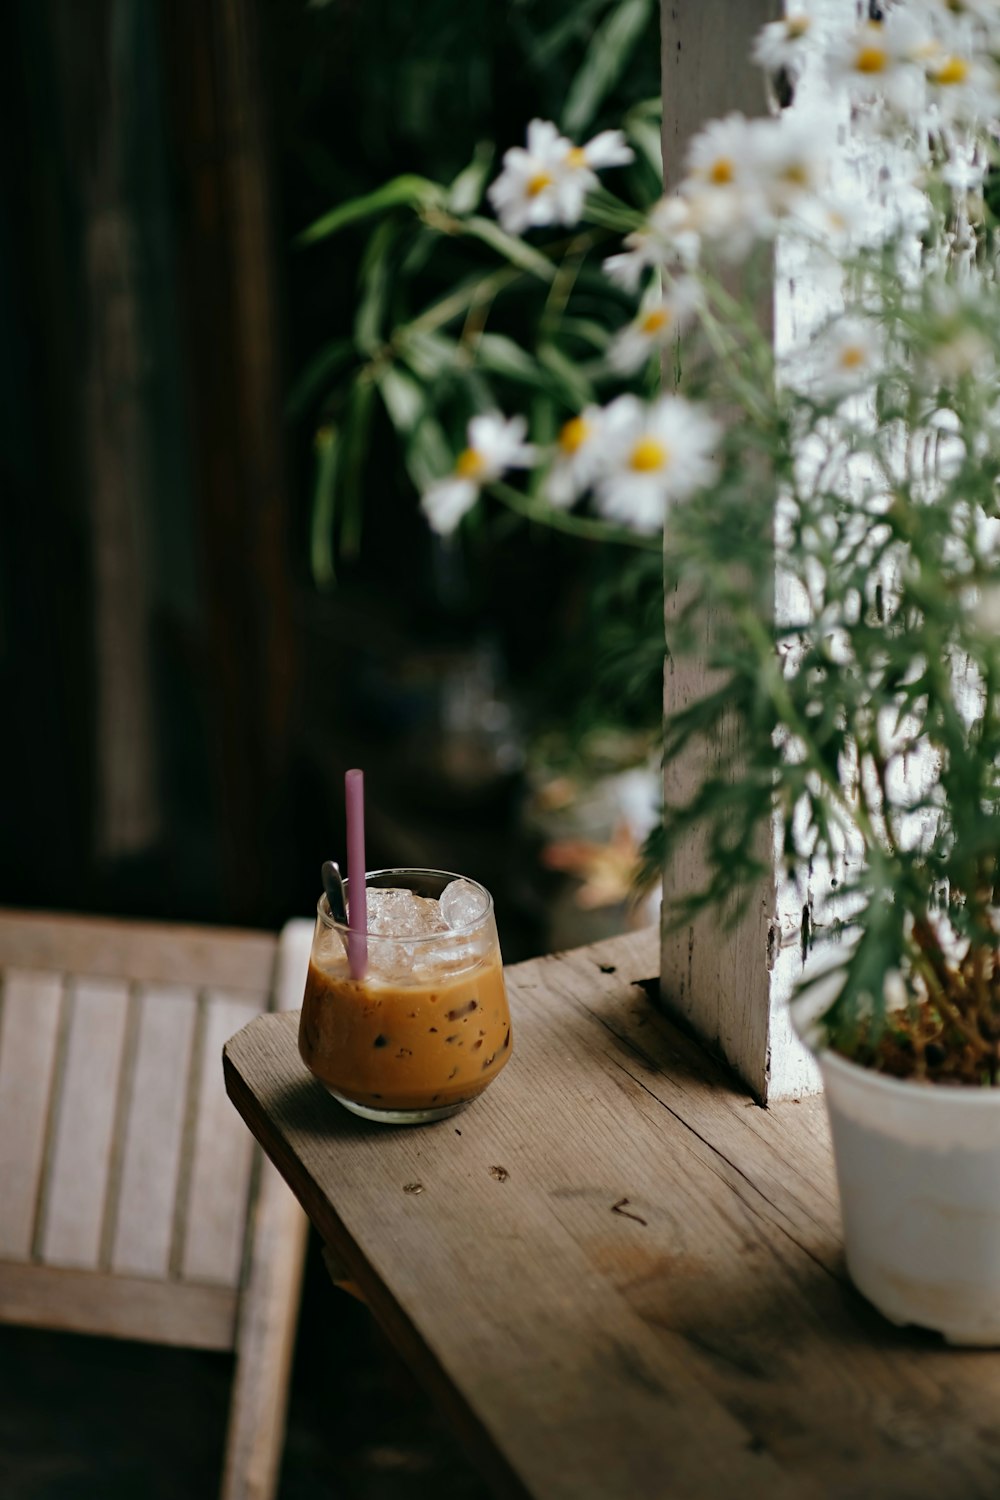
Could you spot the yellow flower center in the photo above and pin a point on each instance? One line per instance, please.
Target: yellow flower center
(573, 435)
(952, 70)
(538, 184)
(796, 26)
(655, 320)
(648, 455)
(576, 157)
(721, 171)
(871, 59)
(852, 356)
(469, 464)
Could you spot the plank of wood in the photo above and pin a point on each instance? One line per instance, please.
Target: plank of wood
(728, 980)
(29, 1026)
(292, 965)
(73, 1197)
(620, 1275)
(153, 1134)
(128, 1307)
(148, 952)
(265, 1341)
(501, 1324)
(222, 1160)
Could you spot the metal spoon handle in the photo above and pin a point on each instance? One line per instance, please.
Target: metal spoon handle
(333, 885)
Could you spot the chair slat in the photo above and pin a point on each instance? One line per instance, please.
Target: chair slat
(74, 1194)
(216, 1208)
(147, 952)
(123, 1307)
(154, 1128)
(29, 1029)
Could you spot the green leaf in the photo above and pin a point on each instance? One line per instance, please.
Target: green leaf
(406, 191)
(374, 278)
(428, 453)
(524, 256)
(575, 386)
(323, 506)
(544, 424)
(607, 56)
(609, 212)
(429, 355)
(467, 189)
(575, 24)
(420, 251)
(587, 329)
(502, 356)
(403, 398)
(354, 449)
(646, 135)
(317, 375)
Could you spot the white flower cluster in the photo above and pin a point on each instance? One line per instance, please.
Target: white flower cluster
(934, 62)
(635, 459)
(745, 180)
(927, 71)
(548, 182)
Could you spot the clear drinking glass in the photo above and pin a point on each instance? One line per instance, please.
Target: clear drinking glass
(427, 1028)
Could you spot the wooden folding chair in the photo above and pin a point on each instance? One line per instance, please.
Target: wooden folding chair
(133, 1202)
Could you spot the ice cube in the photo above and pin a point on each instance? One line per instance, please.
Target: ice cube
(462, 904)
(403, 914)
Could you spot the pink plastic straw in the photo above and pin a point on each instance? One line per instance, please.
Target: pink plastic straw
(357, 906)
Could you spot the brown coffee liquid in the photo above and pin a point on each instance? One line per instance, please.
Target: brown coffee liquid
(393, 1045)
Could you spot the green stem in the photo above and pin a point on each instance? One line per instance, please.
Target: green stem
(581, 526)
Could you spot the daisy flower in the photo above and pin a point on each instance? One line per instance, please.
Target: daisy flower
(668, 236)
(964, 88)
(578, 454)
(986, 610)
(850, 355)
(655, 454)
(835, 220)
(791, 161)
(495, 444)
(783, 44)
(958, 345)
(960, 23)
(722, 185)
(880, 60)
(660, 320)
(547, 182)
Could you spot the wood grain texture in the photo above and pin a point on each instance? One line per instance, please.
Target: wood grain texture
(29, 1029)
(649, 1298)
(128, 1307)
(265, 1341)
(146, 952)
(292, 964)
(219, 1187)
(75, 1192)
(715, 975)
(153, 1131)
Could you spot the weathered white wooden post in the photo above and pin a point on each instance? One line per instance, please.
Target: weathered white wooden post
(730, 986)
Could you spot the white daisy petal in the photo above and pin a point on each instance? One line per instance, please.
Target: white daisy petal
(608, 149)
(446, 502)
(654, 455)
(494, 444)
(577, 459)
(659, 322)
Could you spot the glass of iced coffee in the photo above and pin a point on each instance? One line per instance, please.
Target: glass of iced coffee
(425, 1027)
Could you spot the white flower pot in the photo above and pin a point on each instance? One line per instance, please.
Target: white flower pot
(919, 1174)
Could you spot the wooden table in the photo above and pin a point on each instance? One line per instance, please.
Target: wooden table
(619, 1276)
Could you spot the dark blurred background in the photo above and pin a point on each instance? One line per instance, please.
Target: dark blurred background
(204, 622)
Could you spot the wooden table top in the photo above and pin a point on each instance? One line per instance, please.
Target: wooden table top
(619, 1276)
